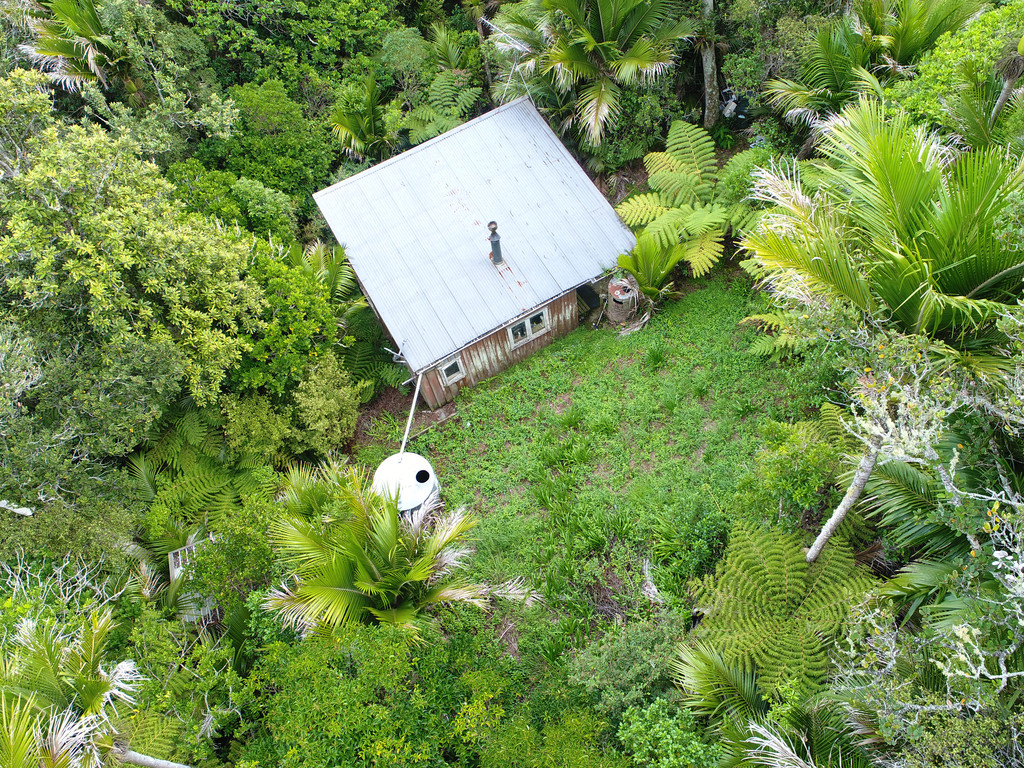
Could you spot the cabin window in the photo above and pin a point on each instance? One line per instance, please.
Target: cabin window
(528, 328)
(451, 370)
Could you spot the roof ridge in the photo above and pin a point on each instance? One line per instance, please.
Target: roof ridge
(434, 141)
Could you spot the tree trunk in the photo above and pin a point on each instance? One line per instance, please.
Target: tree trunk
(807, 148)
(134, 758)
(1004, 96)
(712, 107)
(483, 53)
(860, 479)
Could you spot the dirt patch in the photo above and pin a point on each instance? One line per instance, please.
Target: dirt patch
(561, 404)
(617, 186)
(390, 401)
(509, 637)
(698, 455)
(602, 594)
(710, 425)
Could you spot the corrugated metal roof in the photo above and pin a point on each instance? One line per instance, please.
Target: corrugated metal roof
(415, 230)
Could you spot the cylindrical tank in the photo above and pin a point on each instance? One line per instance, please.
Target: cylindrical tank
(621, 301)
(407, 476)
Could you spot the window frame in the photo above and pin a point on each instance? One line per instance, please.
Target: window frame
(450, 380)
(530, 333)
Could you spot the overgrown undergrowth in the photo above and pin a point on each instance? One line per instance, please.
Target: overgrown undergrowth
(603, 453)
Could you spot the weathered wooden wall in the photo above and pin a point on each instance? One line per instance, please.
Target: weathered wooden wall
(491, 354)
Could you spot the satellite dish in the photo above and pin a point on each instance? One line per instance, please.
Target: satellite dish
(407, 477)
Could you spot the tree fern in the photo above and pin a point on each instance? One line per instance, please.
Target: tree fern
(667, 228)
(772, 611)
(694, 150)
(676, 187)
(450, 100)
(187, 473)
(681, 205)
(643, 208)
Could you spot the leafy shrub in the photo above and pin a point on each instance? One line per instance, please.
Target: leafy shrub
(299, 326)
(736, 178)
(574, 739)
(258, 208)
(240, 561)
(768, 608)
(984, 740)
(347, 699)
(370, 697)
(688, 539)
(406, 57)
(267, 211)
(976, 47)
(771, 53)
(326, 407)
(254, 424)
(628, 665)
(273, 143)
(662, 735)
(794, 474)
(644, 117)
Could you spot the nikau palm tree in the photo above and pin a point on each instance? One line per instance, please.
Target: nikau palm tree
(58, 695)
(814, 731)
(357, 558)
(878, 41)
(590, 49)
(73, 47)
(904, 231)
(362, 127)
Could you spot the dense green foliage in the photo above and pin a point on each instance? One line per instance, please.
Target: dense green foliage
(684, 217)
(770, 610)
(193, 393)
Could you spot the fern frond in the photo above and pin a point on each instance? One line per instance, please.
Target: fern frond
(704, 251)
(779, 341)
(831, 426)
(676, 187)
(742, 218)
(669, 226)
(774, 347)
(771, 610)
(150, 733)
(657, 162)
(641, 209)
(694, 150)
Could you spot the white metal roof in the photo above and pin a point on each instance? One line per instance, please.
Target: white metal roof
(415, 230)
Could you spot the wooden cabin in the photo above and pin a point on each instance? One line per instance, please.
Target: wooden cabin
(471, 247)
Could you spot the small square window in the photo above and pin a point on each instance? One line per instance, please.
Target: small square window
(451, 370)
(528, 329)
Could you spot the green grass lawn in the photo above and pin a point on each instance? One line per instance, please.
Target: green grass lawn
(601, 452)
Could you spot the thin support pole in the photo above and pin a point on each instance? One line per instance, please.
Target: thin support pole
(412, 412)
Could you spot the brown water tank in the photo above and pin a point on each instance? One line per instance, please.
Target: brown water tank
(621, 300)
